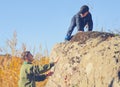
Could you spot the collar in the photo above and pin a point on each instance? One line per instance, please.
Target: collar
(26, 62)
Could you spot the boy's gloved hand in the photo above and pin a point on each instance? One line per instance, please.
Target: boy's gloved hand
(67, 38)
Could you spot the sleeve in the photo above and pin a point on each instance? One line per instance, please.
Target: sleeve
(40, 77)
(42, 69)
(90, 23)
(71, 27)
(78, 22)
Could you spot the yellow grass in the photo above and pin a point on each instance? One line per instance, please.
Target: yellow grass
(10, 69)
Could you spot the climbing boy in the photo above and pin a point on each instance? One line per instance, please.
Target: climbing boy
(80, 20)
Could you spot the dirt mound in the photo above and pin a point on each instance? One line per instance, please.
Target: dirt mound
(82, 37)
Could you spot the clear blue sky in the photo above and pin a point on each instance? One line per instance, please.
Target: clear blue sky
(46, 21)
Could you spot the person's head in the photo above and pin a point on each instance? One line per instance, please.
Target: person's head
(84, 10)
(27, 56)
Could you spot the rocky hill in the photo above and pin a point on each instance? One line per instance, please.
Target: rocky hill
(90, 59)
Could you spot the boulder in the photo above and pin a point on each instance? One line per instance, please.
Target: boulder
(90, 59)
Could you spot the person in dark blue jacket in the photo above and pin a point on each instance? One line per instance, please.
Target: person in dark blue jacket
(80, 20)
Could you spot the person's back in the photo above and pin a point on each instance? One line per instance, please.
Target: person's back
(80, 20)
(27, 77)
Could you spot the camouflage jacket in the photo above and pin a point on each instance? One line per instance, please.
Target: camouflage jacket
(29, 74)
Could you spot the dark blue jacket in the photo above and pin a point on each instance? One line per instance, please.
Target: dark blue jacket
(79, 22)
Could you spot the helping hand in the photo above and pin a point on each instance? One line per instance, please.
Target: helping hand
(49, 73)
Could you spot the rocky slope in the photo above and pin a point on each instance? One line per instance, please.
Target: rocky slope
(90, 59)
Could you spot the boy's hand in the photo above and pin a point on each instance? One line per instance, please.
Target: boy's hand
(67, 38)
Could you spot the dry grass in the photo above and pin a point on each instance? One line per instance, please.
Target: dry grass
(10, 65)
(10, 69)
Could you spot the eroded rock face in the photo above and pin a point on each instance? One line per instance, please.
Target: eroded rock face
(94, 63)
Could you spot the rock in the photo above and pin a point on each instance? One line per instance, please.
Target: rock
(90, 62)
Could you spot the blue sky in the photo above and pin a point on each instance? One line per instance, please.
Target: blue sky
(46, 22)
